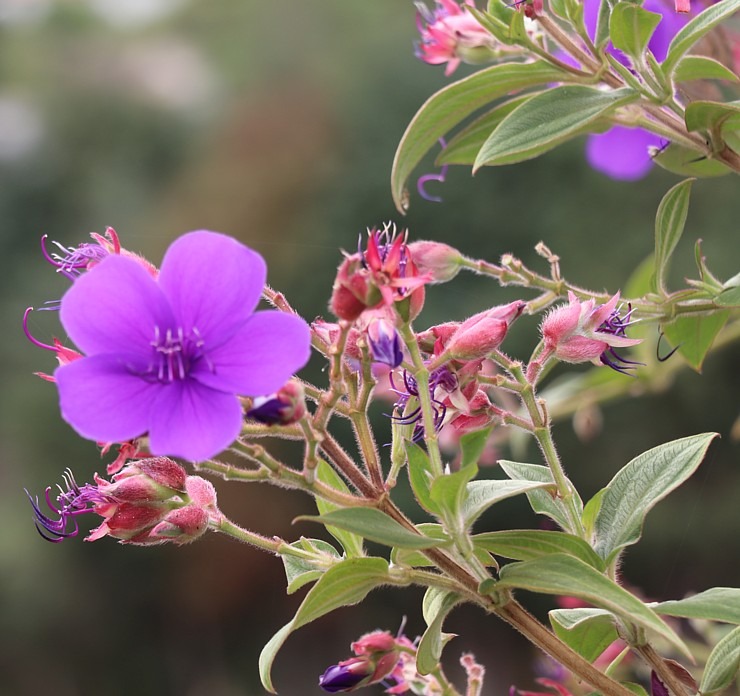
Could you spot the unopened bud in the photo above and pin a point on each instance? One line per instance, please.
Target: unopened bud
(439, 262)
(181, 526)
(385, 343)
(286, 406)
(482, 333)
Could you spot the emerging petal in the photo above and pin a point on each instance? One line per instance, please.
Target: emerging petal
(193, 421)
(213, 283)
(261, 357)
(102, 400)
(113, 308)
(621, 153)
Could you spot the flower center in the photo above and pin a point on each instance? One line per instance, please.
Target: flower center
(175, 354)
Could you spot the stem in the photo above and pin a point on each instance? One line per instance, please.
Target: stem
(666, 674)
(343, 462)
(518, 617)
(226, 526)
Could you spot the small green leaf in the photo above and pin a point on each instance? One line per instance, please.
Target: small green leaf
(420, 476)
(375, 525)
(702, 68)
(449, 492)
(700, 25)
(344, 584)
(729, 297)
(548, 119)
(686, 162)
(351, 543)
(723, 664)
(542, 502)
(472, 446)
(630, 27)
(437, 605)
(452, 105)
(694, 335)
(528, 544)
(642, 483)
(564, 575)
(590, 510)
(483, 494)
(709, 115)
(715, 604)
(588, 631)
(301, 571)
(669, 224)
(464, 147)
(414, 558)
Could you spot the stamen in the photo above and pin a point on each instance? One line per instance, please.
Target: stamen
(33, 340)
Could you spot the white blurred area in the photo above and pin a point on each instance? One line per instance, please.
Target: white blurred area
(21, 127)
(19, 12)
(134, 13)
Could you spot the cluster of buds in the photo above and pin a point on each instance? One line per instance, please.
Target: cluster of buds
(379, 658)
(150, 501)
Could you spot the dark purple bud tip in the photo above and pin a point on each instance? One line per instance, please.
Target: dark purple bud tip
(340, 678)
(269, 412)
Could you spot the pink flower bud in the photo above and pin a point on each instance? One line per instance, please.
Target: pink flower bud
(439, 262)
(181, 526)
(201, 492)
(477, 336)
(286, 406)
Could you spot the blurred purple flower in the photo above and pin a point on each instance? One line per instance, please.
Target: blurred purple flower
(168, 357)
(624, 153)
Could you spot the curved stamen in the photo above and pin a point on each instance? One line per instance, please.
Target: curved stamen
(657, 349)
(30, 337)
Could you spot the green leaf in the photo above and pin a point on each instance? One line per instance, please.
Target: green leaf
(452, 105)
(590, 510)
(420, 476)
(548, 119)
(709, 115)
(636, 488)
(344, 584)
(464, 147)
(542, 502)
(564, 575)
(669, 224)
(588, 631)
(483, 494)
(528, 544)
(351, 543)
(723, 664)
(687, 162)
(630, 27)
(702, 68)
(700, 25)
(472, 446)
(375, 525)
(729, 297)
(437, 605)
(301, 571)
(414, 558)
(715, 604)
(449, 492)
(694, 335)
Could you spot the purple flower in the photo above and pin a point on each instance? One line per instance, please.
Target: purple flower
(168, 357)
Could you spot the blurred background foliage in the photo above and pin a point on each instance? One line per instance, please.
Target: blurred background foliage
(277, 123)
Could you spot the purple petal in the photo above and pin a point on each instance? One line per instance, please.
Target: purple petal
(102, 400)
(260, 357)
(621, 153)
(213, 283)
(193, 421)
(113, 308)
(669, 26)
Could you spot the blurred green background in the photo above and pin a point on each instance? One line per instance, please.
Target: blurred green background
(277, 122)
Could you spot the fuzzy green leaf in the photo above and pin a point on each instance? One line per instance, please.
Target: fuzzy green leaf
(565, 575)
(700, 25)
(344, 584)
(702, 68)
(483, 494)
(452, 105)
(375, 525)
(722, 665)
(588, 631)
(548, 119)
(709, 115)
(715, 604)
(694, 335)
(413, 557)
(642, 483)
(301, 571)
(420, 476)
(730, 297)
(669, 225)
(472, 446)
(542, 502)
(437, 605)
(631, 26)
(528, 544)
(686, 162)
(351, 543)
